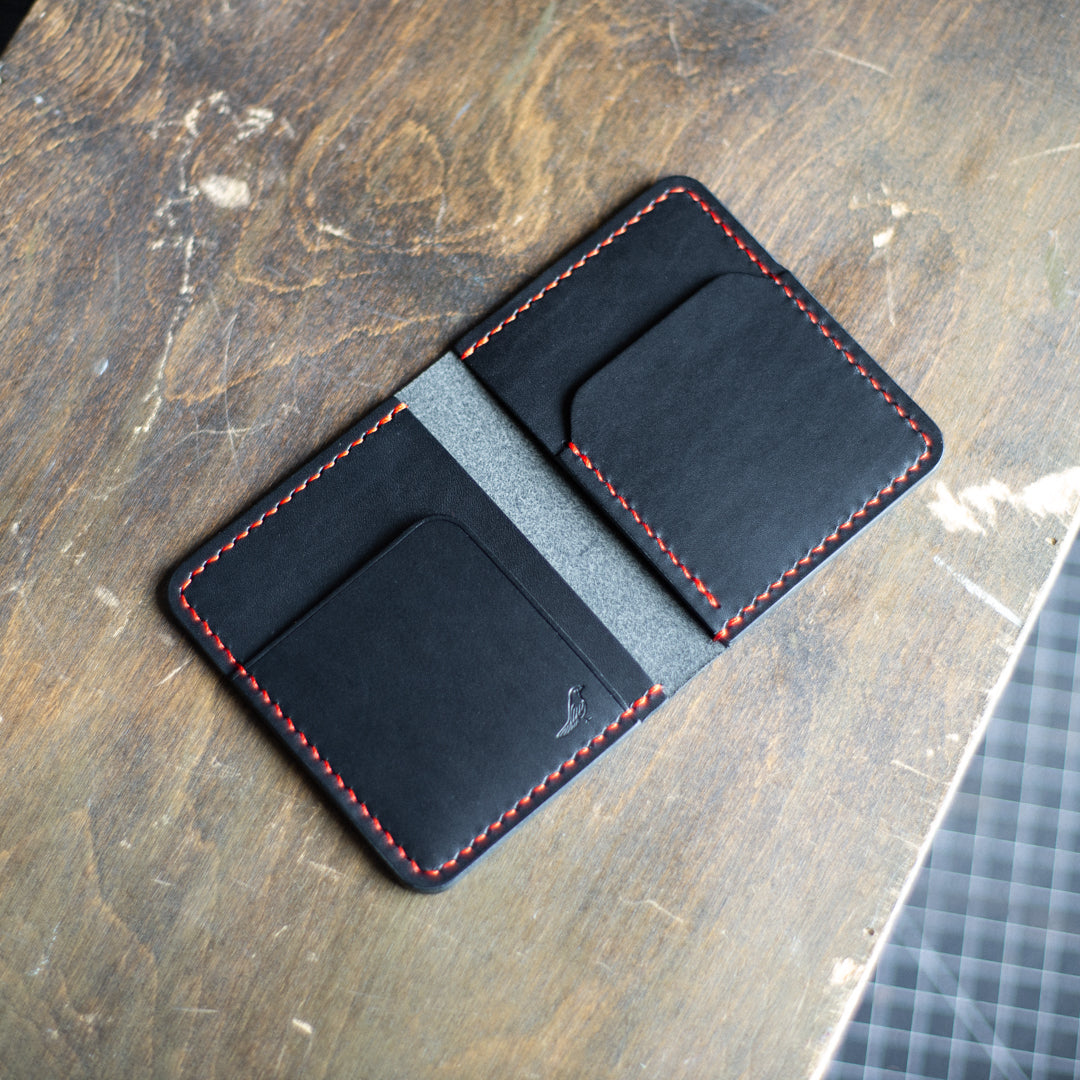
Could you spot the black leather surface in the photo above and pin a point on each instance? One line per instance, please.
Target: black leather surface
(434, 685)
(422, 661)
(618, 290)
(704, 401)
(442, 629)
(739, 438)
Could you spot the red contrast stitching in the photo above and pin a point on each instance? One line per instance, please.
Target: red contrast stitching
(561, 774)
(788, 577)
(693, 579)
(648, 209)
(506, 819)
(274, 509)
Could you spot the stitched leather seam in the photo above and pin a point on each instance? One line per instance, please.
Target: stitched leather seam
(508, 817)
(470, 851)
(692, 578)
(816, 553)
(801, 566)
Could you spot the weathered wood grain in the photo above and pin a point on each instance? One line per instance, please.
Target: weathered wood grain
(229, 227)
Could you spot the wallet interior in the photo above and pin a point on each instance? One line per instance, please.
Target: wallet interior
(453, 609)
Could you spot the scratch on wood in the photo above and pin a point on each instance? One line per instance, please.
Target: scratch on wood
(324, 869)
(107, 597)
(225, 379)
(980, 593)
(679, 66)
(46, 955)
(658, 907)
(855, 60)
(1065, 148)
(911, 769)
(175, 671)
(303, 1026)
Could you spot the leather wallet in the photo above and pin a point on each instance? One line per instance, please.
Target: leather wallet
(458, 605)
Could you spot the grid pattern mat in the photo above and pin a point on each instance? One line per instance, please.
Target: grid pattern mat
(980, 978)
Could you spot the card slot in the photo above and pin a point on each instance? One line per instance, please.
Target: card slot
(480, 629)
(437, 689)
(730, 440)
(598, 298)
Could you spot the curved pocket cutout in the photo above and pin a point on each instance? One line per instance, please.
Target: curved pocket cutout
(730, 440)
(435, 687)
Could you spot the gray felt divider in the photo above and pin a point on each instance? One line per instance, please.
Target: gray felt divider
(664, 638)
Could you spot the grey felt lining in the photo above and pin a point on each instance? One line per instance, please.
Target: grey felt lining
(664, 638)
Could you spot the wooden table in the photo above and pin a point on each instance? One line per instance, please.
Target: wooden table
(227, 229)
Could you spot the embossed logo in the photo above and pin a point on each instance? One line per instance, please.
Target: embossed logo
(577, 711)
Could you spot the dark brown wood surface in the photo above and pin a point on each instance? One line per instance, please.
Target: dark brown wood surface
(228, 228)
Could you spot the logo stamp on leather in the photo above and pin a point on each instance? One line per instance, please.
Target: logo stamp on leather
(577, 710)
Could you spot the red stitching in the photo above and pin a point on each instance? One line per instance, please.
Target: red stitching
(800, 566)
(663, 197)
(542, 789)
(276, 507)
(508, 816)
(692, 578)
(788, 577)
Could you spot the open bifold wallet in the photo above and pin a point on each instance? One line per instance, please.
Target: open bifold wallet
(461, 603)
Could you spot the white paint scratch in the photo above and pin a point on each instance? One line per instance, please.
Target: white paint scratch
(1065, 148)
(175, 671)
(46, 954)
(855, 60)
(191, 119)
(303, 1026)
(331, 230)
(980, 593)
(1056, 494)
(195, 1011)
(107, 597)
(255, 121)
(658, 907)
(884, 238)
(844, 971)
(954, 516)
(225, 191)
(911, 769)
(984, 498)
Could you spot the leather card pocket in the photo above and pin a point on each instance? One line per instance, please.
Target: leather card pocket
(705, 401)
(731, 441)
(414, 652)
(440, 694)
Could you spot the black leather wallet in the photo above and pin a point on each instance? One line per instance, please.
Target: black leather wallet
(453, 609)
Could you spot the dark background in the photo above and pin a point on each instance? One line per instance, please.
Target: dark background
(12, 12)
